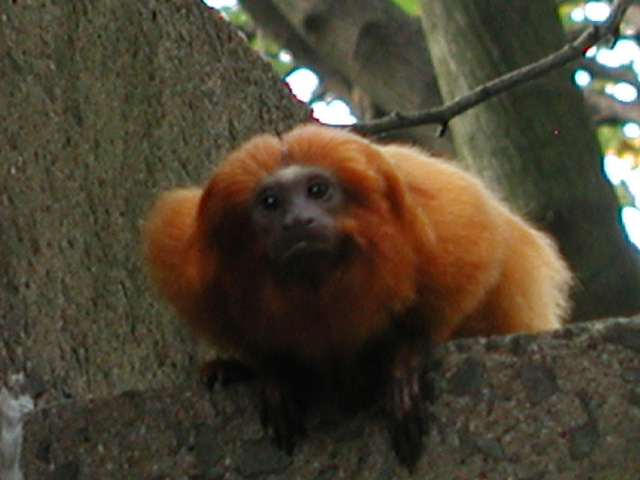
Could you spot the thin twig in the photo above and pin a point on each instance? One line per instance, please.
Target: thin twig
(443, 114)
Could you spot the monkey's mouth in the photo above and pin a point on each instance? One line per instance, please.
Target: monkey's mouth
(306, 252)
(306, 259)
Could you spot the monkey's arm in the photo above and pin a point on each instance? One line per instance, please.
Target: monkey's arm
(406, 389)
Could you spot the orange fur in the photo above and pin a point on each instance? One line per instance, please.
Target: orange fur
(430, 238)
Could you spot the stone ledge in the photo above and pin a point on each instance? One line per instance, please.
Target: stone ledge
(556, 406)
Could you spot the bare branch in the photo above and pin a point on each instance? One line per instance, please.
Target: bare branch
(617, 74)
(606, 109)
(443, 114)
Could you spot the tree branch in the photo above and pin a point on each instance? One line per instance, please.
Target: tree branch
(444, 114)
(606, 109)
(617, 74)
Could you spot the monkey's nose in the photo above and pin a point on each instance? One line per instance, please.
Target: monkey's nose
(297, 222)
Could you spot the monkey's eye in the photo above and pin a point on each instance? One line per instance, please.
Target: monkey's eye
(269, 202)
(319, 189)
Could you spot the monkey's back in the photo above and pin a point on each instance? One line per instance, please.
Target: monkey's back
(488, 270)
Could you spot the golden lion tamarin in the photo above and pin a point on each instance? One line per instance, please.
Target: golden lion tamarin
(319, 256)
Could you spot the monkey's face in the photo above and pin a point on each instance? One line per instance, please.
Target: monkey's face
(294, 212)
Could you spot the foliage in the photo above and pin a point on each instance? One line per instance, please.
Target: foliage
(612, 140)
(412, 7)
(564, 12)
(267, 46)
(280, 59)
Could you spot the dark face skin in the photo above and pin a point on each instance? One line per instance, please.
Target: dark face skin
(294, 211)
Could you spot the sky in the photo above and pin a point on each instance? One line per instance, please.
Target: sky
(221, 3)
(304, 82)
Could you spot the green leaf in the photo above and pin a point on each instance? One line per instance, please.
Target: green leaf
(411, 7)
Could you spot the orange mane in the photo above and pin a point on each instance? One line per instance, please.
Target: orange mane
(359, 297)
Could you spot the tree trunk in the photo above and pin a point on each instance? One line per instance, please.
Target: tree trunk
(535, 142)
(367, 44)
(103, 104)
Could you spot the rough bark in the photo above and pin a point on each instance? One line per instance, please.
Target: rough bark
(370, 45)
(103, 104)
(558, 406)
(536, 143)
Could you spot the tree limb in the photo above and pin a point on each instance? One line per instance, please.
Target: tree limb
(617, 74)
(606, 109)
(444, 114)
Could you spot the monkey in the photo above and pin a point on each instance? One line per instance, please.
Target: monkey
(319, 257)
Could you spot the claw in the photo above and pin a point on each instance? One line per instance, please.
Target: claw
(404, 405)
(224, 372)
(282, 416)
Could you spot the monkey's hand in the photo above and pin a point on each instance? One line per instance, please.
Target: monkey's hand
(404, 405)
(282, 415)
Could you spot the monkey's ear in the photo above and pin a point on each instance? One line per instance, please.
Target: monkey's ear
(226, 198)
(209, 214)
(224, 226)
(395, 187)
